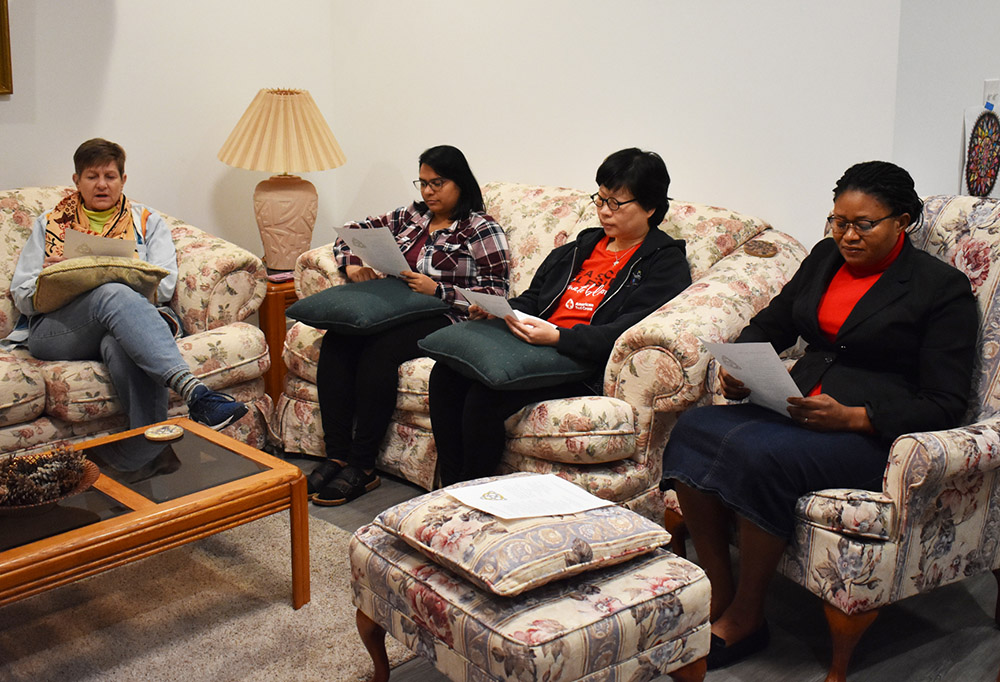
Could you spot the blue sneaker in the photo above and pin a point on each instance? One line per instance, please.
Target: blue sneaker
(213, 409)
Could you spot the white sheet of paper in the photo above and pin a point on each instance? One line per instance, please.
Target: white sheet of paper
(491, 303)
(760, 368)
(498, 306)
(376, 247)
(524, 497)
(79, 244)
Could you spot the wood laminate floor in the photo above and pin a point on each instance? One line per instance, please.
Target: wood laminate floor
(946, 635)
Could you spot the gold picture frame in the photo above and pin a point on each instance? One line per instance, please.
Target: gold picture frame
(6, 76)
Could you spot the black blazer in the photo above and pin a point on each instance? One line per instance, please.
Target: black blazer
(906, 352)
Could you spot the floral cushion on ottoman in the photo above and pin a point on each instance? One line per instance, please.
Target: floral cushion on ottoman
(509, 556)
(633, 621)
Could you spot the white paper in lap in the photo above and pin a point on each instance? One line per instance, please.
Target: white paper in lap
(376, 247)
(79, 244)
(499, 307)
(760, 369)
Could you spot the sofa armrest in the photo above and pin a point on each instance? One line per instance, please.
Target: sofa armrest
(662, 361)
(941, 471)
(316, 270)
(218, 283)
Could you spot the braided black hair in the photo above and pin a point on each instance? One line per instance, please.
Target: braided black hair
(885, 181)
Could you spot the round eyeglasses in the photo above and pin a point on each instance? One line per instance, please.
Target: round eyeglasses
(612, 203)
(436, 183)
(840, 225)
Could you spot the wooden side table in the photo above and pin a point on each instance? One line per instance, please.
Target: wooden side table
(279, 296)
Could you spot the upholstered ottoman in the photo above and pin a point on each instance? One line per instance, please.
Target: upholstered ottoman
(588, 596)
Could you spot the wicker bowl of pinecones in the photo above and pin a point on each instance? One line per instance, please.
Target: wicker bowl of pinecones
(34, 483)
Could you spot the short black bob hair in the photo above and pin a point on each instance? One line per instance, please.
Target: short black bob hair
(888, 183)
(449, 162)
(96, 153)
(643, 174)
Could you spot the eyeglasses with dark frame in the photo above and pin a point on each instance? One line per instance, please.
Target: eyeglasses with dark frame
(612, 203)
(840, 225)
(436, 183)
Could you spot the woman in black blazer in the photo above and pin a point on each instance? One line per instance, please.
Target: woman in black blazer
(891, 334)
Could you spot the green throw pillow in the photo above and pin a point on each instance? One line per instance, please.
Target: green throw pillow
(60, 283)
(485, 350)
(360, 308)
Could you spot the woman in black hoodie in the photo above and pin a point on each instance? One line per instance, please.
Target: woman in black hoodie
(592, 289)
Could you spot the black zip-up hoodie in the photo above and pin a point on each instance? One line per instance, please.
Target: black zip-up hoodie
(656, 272)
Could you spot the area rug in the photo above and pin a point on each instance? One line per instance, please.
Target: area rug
(219, 609)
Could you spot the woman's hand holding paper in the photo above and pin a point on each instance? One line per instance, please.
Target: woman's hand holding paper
(418, 282)
(732, 388)
(530, 332)
(477, 313)
(360, 273)
(822, 412)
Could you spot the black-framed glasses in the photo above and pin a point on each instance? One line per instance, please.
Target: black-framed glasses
(436, 183)
(860, 226)
(612, 203)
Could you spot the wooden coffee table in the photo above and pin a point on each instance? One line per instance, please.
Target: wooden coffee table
(150, 497)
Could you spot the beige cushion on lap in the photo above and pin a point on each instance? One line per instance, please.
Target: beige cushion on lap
(62, 282)
(508, 557)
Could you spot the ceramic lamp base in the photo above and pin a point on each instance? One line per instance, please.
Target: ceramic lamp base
(285, 207)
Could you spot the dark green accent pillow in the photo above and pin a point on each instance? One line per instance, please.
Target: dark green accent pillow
(360, 308)
(486, 351)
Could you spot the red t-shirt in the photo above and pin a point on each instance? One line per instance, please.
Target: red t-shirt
(590, 285)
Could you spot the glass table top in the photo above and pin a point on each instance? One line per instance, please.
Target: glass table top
(158, 471)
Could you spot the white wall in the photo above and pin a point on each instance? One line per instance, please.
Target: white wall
(753, 105)
(946, 51)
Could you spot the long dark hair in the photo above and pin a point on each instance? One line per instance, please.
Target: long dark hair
(642, 173)
(449, 162)
(885, 181)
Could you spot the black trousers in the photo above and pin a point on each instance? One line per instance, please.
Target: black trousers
(468, 417)
(357, 378)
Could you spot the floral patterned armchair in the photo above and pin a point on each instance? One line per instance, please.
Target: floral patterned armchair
(937, 519)
(609, 444)
(218, 286)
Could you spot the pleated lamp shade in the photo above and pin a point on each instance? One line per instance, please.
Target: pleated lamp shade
(282, 131)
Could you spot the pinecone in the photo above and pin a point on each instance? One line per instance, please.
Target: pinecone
(34, 479)
(47, 478)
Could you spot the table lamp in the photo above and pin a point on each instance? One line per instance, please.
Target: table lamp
(283, 132)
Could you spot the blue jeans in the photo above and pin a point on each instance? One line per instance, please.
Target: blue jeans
(118, 326)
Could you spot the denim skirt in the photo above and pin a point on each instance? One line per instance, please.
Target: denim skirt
(760, 462)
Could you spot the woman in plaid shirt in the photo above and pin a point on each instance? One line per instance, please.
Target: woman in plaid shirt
(448, 241)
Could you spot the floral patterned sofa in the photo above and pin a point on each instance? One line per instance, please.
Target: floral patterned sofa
(610, 444)
(937, 519)
(218, 286)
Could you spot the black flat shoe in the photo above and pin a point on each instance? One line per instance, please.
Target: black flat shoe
(350, 484)
(324, 472)
(721, 654)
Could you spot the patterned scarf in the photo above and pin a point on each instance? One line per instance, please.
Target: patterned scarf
(68, 214)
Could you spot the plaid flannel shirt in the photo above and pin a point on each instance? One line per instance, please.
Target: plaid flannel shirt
(472, 253)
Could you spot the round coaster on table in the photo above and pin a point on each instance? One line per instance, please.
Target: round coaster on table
(761, 249)
(164, 432)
